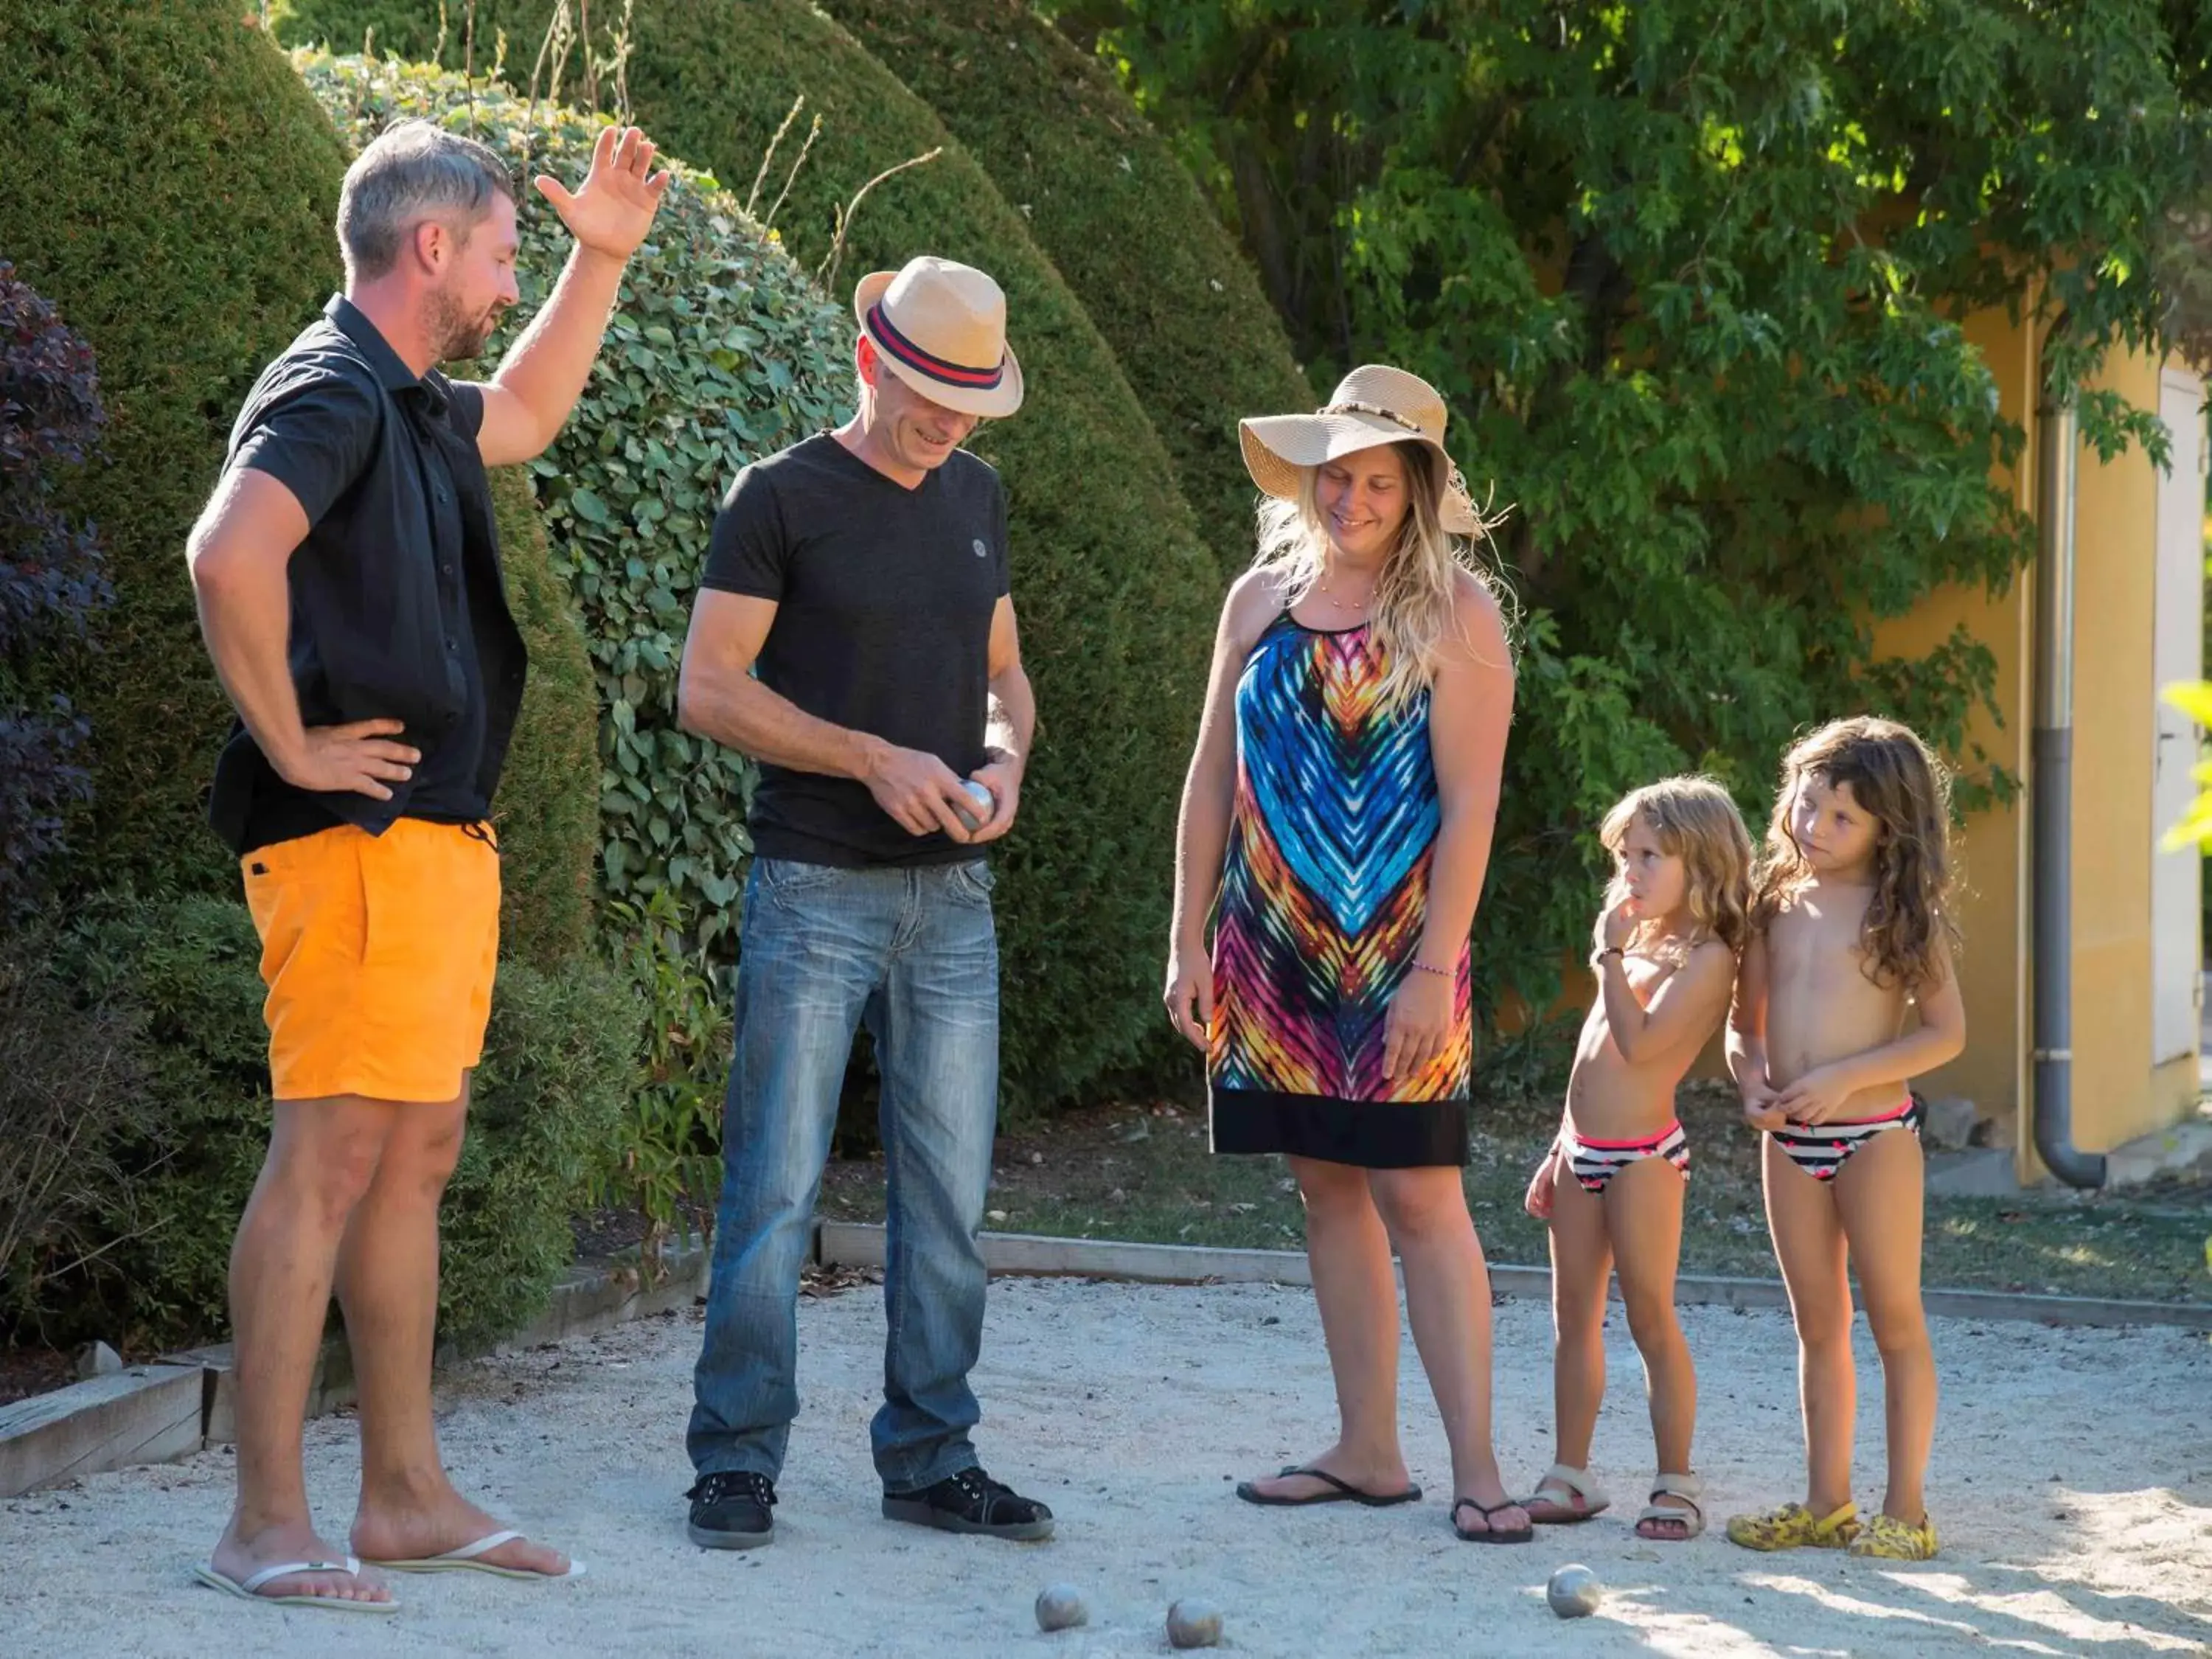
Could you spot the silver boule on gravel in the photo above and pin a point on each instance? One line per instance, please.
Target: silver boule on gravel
(1574, 1591)
(1059, 1607)
(1193, 1624)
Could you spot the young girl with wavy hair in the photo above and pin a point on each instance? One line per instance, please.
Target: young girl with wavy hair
(1851, 936)
(1612, 1185)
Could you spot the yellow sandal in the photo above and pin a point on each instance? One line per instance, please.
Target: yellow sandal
(1793, 1527)
(1888, 1539)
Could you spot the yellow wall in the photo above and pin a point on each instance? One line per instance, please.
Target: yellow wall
(1992, 845)
(2116, 1094)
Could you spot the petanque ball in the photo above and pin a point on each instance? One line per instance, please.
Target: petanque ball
(1193, 1624)
(986, 804)
(1059, 1607)
(1573, 1592)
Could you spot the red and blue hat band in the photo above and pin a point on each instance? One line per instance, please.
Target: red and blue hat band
(948, 373)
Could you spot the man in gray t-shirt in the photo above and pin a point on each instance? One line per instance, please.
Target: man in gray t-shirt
(854, 634)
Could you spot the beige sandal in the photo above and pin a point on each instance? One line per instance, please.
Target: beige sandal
(1689, 1514)
(1578, 1498)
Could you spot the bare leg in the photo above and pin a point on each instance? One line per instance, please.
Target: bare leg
(1581, 1262)
(1358, 1294)
(1808, 1243)
(388, 1286)
(323, 1155)
(1643, 1213)
(1878, 1194)
(1447, 1301)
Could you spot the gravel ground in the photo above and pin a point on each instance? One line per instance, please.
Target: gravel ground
(2072, 1484)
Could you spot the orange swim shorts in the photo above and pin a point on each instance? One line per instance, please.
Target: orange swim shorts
(378, 951)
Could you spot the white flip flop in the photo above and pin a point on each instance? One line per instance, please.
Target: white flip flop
(248, 1589)
(467, 1559)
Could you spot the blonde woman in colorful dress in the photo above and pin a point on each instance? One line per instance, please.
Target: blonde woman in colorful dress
(1336, 824)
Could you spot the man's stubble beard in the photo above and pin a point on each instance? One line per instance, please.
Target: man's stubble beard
(460, 336)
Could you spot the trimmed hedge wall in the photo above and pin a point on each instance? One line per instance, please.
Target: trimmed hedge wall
(1106, 198)
(1116, 590)
(547, 812)
(171, 186)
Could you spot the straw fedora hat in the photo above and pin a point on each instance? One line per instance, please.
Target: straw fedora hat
(1373, 404)
(941, 328)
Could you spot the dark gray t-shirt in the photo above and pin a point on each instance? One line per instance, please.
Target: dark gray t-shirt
(885, 597)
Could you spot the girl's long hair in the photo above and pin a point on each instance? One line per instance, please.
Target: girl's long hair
(1696, 820)
(1414, 614)
(1906, 791)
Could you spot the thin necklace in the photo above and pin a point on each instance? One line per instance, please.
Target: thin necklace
(1341, 604)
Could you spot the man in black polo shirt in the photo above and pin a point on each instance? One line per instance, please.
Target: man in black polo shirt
(863, 573)
(347, 571)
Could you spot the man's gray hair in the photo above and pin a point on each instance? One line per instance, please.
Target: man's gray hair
(413, 171)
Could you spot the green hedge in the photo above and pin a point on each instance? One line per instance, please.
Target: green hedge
(559, 1060)
(1121, 217)
(720, 350)
(548, 807)
(171, 186)
(1116, 590)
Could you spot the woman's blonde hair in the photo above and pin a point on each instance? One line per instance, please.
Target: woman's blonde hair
(1906, 791)
(1414, 610)
(1696, 820)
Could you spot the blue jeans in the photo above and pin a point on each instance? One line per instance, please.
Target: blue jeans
(913, 953)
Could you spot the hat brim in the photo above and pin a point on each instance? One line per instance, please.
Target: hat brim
(1279, 448)
(994, 404)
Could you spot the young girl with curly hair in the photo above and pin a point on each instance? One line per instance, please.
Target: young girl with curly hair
(1851, 928)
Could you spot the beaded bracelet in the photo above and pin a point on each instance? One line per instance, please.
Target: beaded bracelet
(1424, 967)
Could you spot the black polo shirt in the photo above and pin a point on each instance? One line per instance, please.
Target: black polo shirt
(399, 605)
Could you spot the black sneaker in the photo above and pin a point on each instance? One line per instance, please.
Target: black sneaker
(971, 1501)
(730, 1511)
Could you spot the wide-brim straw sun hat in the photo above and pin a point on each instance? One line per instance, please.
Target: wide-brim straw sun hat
(1373, 404)
(941, 328)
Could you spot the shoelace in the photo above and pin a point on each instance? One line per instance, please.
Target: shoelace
(973, 1484)
(734, 1483)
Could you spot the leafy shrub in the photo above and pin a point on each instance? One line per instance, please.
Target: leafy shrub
(72, 1083)
(560, 1055)
(1116, 591)
(664, 1163)
(50, 579)
(720, 351)
(1120, 216)
(171, 187)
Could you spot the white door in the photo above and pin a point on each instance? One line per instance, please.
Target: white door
(2177, 654)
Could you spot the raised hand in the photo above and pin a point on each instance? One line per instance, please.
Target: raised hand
(613, 210)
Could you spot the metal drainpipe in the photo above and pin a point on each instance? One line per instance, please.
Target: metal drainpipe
(2051, 788)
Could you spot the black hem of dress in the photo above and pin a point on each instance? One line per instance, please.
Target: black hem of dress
(1368, 1135)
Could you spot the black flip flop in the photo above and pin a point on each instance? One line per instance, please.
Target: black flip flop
(1342, 1492)
(1489, 1534)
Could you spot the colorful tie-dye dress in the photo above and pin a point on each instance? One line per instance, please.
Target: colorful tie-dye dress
(1324, 896)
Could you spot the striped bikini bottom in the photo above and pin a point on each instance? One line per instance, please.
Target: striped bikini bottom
(1595, 1162)
(1821, 1149)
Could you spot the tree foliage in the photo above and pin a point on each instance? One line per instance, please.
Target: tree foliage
(1692, 278)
